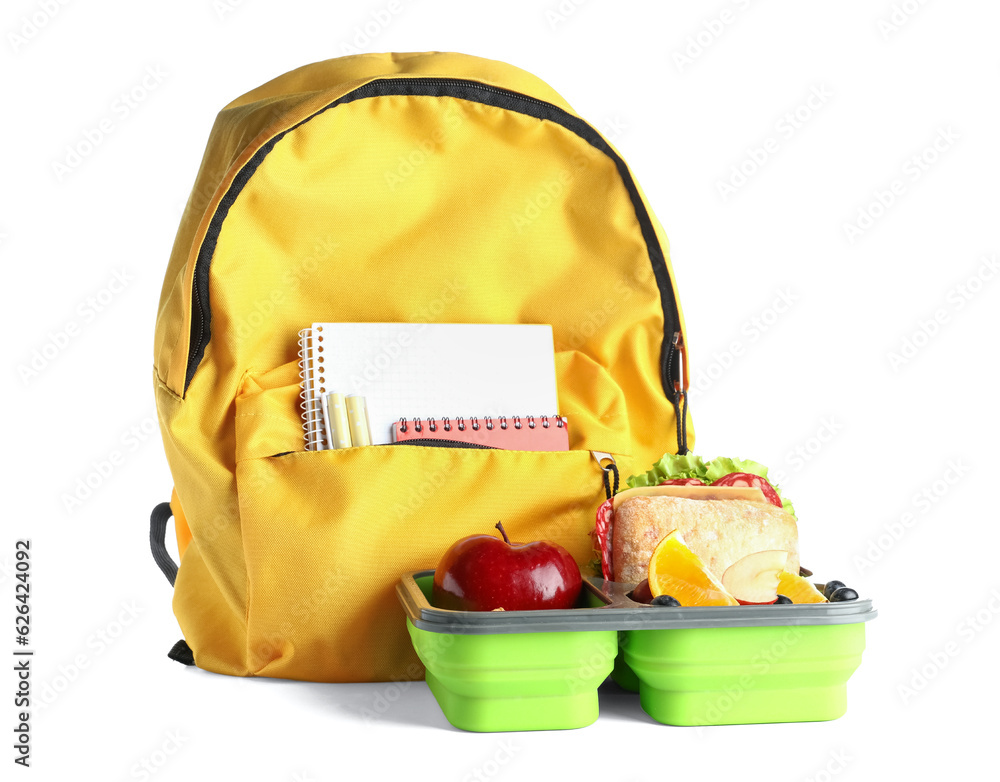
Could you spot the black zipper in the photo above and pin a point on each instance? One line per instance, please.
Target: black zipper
(201, 316)
(464, 83)
(432, 442)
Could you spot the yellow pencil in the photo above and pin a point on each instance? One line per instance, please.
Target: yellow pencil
(357, 413)
(338, 424)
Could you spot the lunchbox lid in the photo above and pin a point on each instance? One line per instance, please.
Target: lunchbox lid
(615, 611)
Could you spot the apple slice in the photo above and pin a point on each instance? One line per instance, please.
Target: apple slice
(754, 579)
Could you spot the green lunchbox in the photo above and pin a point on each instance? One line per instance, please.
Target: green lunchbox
(720, 665)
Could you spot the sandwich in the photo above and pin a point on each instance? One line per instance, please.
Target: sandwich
(724, 509)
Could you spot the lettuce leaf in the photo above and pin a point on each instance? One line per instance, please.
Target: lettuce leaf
(670, 466)
(723, 465)
(690, 466)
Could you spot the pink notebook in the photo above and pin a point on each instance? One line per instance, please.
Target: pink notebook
(517, 433)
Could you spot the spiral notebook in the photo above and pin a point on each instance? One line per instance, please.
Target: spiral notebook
(436, 371)
(520, 433)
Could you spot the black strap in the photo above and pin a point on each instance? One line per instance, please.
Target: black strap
(182, 653)
(157, 540)
(610, 490)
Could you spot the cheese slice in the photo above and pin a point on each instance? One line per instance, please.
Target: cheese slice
(693, 493)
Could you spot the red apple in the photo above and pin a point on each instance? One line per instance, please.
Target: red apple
(483, 573)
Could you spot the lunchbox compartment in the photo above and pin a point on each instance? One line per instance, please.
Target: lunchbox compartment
(739, 675)
(542, 680)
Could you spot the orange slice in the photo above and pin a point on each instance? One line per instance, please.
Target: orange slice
(677, 571)
(798, 589)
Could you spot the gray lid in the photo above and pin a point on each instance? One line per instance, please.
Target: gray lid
(619, 612)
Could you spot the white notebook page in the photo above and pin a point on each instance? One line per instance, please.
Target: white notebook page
(437, 370)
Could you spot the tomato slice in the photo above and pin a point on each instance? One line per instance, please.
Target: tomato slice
(682, 482)
(755, 481)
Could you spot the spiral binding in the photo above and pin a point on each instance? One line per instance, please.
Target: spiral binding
(475, 423)
(311, 393)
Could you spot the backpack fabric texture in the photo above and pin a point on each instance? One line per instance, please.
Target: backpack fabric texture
(416, 188)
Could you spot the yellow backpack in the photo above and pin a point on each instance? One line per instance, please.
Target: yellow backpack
(392, 188)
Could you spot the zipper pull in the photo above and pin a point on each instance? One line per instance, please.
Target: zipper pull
(680, 385)
(608, 467)
(680, 392)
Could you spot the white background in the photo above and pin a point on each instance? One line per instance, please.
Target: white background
(810, 388)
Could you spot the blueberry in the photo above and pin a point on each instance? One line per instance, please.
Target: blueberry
(842, 594)
(831, 587)
(783, 601)
(665, 600)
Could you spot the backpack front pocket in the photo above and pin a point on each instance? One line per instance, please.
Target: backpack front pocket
(327, 534)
